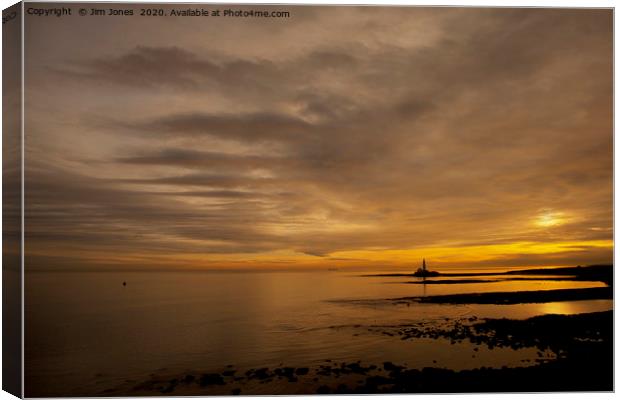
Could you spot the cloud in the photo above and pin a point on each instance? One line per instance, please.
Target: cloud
(202, 159)
(252, 128)
(374, 139)
(147, 67)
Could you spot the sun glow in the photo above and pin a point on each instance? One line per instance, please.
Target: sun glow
(459, 254)
(548, 219)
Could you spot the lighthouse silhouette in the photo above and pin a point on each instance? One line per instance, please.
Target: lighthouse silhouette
(422, 272)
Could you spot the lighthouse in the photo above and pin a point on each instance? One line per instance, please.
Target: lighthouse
(422, 272)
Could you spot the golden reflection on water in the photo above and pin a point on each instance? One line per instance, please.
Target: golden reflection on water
(557, 308)
(524, 310)
(574, 307)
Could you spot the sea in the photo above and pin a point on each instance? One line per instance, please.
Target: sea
(86, 332)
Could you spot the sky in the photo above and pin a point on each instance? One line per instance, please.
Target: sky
(337, 137)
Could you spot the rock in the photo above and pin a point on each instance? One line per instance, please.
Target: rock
(323, 390)
(211, 379)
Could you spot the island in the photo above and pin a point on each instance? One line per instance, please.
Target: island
(422, 272)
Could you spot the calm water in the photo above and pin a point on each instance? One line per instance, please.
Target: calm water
(86, 332)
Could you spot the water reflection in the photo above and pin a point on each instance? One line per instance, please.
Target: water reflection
(86, 325)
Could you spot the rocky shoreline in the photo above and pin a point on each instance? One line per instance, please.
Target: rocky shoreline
(582, 359)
